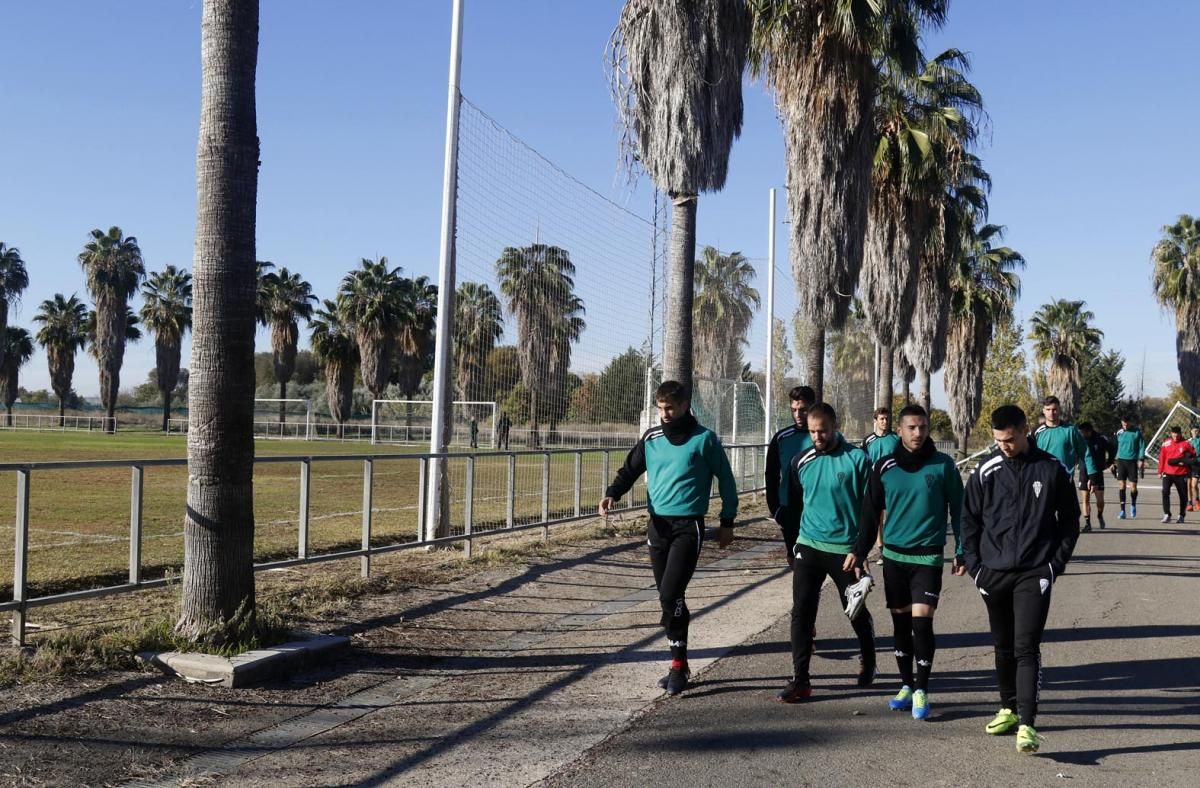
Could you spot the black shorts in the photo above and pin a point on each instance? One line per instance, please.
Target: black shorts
(1097, 480)
(905, 584)
(1127, 470)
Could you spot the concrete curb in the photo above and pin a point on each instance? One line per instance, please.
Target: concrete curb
(248, 668)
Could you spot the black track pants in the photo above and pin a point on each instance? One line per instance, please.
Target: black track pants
(1180, 485)
(674, 550)
(1017, 604)
(811, 568)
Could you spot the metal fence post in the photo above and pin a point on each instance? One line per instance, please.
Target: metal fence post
(469, 506)
(135, 526)
(20, 556)
(421, 495)
(302, 525)
(546, 496)
(511, 493)
(578, 481)
(366, 521)
(604, 474)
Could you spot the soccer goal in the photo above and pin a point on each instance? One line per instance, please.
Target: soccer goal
(283, 418)
(1180, 415)
(411, 420)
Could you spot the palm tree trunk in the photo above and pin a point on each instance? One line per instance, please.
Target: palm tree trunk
(962, 444)
(925, 395)
(62, 411)
(166, 395)
(218, 532)
(677, 342)
(8, 415)
(883, 387)
(907, 391)
(533, 418)
(815, 361)
(282, 405)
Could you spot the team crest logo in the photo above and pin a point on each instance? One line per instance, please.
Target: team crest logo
(1037, 489)
(841, 476)
(930, 481)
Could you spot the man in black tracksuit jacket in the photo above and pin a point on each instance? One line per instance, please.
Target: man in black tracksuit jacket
(1020, 522)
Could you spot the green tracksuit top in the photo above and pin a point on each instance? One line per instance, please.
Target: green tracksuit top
(920, 491)
(680, 461)
(1195, 444)
(879, 446)
(825, 495)
(784, 445)
(1130, 444)
(1066, 443)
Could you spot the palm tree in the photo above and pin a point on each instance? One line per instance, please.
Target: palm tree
(722, 312)
(984, 289)
(284, 298)
(372, 302)
(1064, 338)
(537, 282)
(818, 56)
(414, 342)
(13, 281)
(677, 81)
(565, 331)
(63, 333)
(478, 326)
(335, 347)
(167, 313)
(924, 124)
(1176, 280)
(114, 268)
(218, 531)
(17, 349)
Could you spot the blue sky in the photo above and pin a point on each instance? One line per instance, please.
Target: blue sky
(1089, 145)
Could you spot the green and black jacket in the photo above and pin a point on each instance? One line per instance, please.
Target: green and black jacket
(1130, 444)
(879, 446)
(825, 495)
(784, 445)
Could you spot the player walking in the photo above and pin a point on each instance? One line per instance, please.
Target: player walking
(1131, 456)
(786, 444)
(1101, 451)
(1175, 460)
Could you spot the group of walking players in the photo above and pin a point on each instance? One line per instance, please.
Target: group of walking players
(1015, 523)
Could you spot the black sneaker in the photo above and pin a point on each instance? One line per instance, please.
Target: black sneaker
(866, 673)
(677, 680)
(1087, 526)
(794, 692)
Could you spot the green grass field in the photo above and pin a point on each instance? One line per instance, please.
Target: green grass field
(79, 518)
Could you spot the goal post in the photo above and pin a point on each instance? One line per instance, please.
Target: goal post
(283, 418)
(411, 421)
(1179, 415)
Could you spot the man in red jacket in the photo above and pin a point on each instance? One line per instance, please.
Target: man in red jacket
(1174, 465)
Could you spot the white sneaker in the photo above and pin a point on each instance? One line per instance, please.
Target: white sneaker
(1166, 518)
(856, 596)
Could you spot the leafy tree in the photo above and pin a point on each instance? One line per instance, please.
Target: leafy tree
(335, 346)
(14, 278)
(414, 340)
(1103, 391)
(1176, 281)
(1005, 376)
(167, 313)
(677, 77)
(63, 333)
(502, 372)
(478, 325)
(723, 309)
(284, 299)
(18, 348)
(620, 389)
(371, 300)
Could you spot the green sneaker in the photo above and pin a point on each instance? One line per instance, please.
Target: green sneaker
(1004, 721)
(920, 709)
(903, 699)
(1028, 739)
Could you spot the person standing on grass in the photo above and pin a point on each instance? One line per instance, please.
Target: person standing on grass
(825, 497)
(502, 427)
(920, 489)
(1101, 451)
(1194, 478)
(1020, 523)
(680, 459)
(1175, 460)
(786, 444)
(1131, 456)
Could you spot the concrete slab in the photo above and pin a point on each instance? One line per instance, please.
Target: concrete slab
(250, 667)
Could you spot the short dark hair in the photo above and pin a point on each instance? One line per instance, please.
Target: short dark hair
(1051, 400)
(803, 394)
(672, 391)
(1008, 417)
(822, 409)
(1127, 417)
(912, 410)
(882, 411)
(1085, 426)
(1176, 429)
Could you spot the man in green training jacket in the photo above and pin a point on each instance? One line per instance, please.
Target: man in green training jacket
(1065, 442)
(1131, 457)
(784, 445)
(825, 495)
(680, 459)
(920, 489)
(883, 441)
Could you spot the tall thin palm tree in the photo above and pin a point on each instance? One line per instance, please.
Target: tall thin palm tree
(14, 278)
(218, 531)
(414, 341)
(818, 57)
(478, 326)
(722, 311)
(985, 287)
(63, 333)
(167, 313)
(18, 348)
(1063, 339)
(284, 299)
(677, 81)
(538, 283)
(336, 348)
(373, 302)
(114, 268)
(1176, 281)
(565, 331)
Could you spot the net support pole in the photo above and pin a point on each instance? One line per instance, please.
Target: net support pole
(769, 404)
(446, 279)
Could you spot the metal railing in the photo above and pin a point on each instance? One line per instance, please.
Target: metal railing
(490, 493)
(44, 422)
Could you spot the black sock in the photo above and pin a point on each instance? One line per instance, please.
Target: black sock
(903, 623)
(1133, 497)
(923, 648)
(1121, 497)
(678, 650)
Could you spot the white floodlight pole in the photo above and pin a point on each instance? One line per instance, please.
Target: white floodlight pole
(446, 277)
(769, 430)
